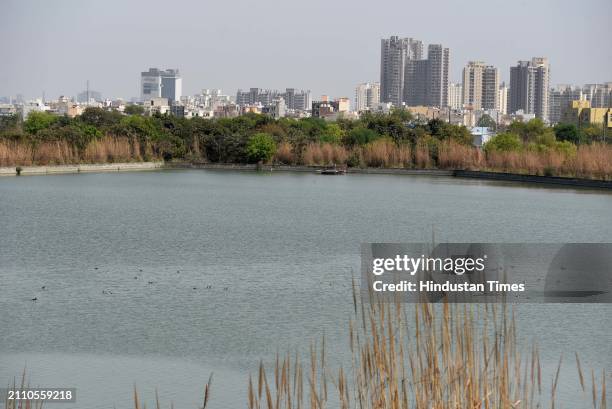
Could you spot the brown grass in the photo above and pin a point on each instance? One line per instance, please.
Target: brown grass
(453, 155)
(105, 150)
(384, 153)
(589, 161)
(324, 154)
(284, 154)
(422, 158)
(458, 357)
(21, 404)
(455, 356)
(108, 149)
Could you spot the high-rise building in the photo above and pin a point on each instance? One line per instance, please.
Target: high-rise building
(480, 86)
(502, 98)
(150, 84)
(426, 81)
(490, 88)
(455, 96)
(157, 83)
(171, 85)
(560, 99)
(292, 98)
(297, 100)
(256, 96)
(529, 89)
(416, 82)
(394, 54)
(367, 96)
(599, 95)
(437, 76)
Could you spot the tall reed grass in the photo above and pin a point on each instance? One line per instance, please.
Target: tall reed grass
(453, 356)
(384, 153)
(587, 161)
(324, 154)
(104, 150)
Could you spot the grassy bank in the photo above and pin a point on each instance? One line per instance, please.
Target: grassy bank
(395, 140)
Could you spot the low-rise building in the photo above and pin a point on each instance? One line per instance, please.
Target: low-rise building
(481, 135)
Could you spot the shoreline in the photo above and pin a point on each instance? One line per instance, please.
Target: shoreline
(457, 173)
(558, 181)
(80, 168)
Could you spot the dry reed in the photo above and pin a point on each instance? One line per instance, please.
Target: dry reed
(284, 154)
(324, 154)
(451, 357)
(453, 155)
(385, 153)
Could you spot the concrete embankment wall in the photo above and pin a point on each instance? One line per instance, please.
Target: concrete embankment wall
(302, 168)
(105, 167)
(507, 177)
(549, 180)
(137, 166)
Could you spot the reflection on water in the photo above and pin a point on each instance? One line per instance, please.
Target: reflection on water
(160, 278)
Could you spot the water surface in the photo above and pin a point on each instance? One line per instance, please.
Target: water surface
(126, 260)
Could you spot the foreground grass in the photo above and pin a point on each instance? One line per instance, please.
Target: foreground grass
(455, 357)
(460, 357)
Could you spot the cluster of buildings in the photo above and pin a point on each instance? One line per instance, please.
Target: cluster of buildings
(409, 78)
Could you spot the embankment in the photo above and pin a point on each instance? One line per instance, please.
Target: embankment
(468, 174)
(81, 168)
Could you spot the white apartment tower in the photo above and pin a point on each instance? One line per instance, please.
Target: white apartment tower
(480, 86)
(455, 96)
(367, 96)
(502, 98)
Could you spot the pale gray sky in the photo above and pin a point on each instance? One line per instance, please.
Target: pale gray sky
(322, 45)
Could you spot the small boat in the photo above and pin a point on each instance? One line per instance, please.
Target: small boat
(332, 171)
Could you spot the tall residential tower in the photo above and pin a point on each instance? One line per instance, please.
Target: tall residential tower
(529, 87)
(480, 86)
(367, 96)
(394, 54)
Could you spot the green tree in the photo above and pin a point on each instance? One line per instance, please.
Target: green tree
(261, 147)
(38, 121)
(486, 121)
(503, 142)
(568, 132)
(361, 136)
(332, 134)
(531, 131)
(134, 109)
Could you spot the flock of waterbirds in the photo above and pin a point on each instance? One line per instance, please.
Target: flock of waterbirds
(136, 277)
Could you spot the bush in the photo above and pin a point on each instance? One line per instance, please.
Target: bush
(260, 148)
(503, 142)
(361, 136)
(37, 121)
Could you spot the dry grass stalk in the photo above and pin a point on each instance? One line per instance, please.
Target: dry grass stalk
(440, 359)
(284, 154)
(22, 403)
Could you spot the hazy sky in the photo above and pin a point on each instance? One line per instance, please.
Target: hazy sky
(327, 46)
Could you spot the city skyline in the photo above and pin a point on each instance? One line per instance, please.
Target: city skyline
(57, 48)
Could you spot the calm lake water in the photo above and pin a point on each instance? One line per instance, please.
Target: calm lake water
(126, 260)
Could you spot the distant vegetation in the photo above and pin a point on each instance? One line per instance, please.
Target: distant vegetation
(375, 140)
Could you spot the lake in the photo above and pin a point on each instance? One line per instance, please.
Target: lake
(160, 278)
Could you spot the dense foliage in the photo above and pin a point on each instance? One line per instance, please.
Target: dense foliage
(379, 140)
